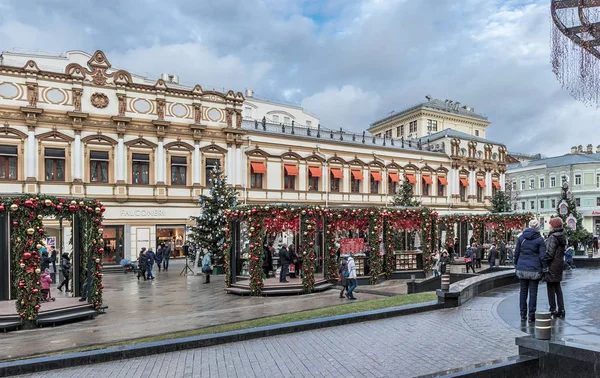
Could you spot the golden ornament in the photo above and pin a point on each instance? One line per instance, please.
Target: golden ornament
(38, 271)
(39, 246)
(100, 230)
(40, 217)
(22, 265)
(30, 318)
(252, 229)
(48, 202)
(22, 302)
(30, 231)
(73, 202)
(101, 241)
(98, 261)
(14, 207)
(81, 203)
(97, 210)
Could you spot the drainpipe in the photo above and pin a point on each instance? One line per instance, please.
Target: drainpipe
(245, 149)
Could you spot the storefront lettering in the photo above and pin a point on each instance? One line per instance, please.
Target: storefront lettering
(143, 213)
(594, 212)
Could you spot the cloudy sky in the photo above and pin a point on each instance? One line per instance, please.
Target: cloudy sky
(349, 62)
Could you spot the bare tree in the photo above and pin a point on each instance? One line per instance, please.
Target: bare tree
(513, 192)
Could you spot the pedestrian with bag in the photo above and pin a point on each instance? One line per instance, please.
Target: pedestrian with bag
(493, 256)
(207, 264)
(159, 256)
(284, 261)
(142, 264)
(166, 255)
(529, 252)
(343, 273)
(553, 267)
(351, 277)
(444, 261)
(65, 267)
(469, 259)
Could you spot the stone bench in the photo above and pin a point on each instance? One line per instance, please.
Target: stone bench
(462, 291)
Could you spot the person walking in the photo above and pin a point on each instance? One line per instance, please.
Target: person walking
(595, 244)
(351, 277)
(502, 253)
(493, 256)
(469, 259)
(343, 273)
(46, 260)
(150, 263)
(434, 263)
(444, 261)
(553, 267)
(569, 258)
(166, 255)
(529, 252)
(53, 257)
(207, 264)
(159, 256)
(65, 267)
(284, 262)
(267, 264)
(142, 264)
(479, 256)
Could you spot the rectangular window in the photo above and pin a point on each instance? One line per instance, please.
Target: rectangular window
(400, 131)
(140, 170)
(463, 189)
(577, 179)
(476, 132)
(522, 184)
(531, 184)
(355, 181)
(178, 170)
(308, 123)
(334, 183)
(515, 206)
(597, 201)
(552, 182)
(553, 203)
(514, 185)
(532, 204)
(577, 202)
(542, 183)
(54, 159)
(480, 190)
(441, 187)
(99, 166)
(375, 181)
(209, 166)
(431, 125)
(314, 174)
(388, 133)
(276, 118)
(412, 127)
(523, 205)
(286, 120)
(563, 178)
(289, 177)
(541, 204)
(248, 112)
(8, 162)
(378, 135)
(426, 185)
(257, 171)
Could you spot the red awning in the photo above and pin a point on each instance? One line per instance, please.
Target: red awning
(258, 167)
(337, 173)
(427, 180)
(291, 170)
(376, 176)
(411, 179)
(315, 171)
(394, 177)
(496, 184)
(443, 181)
(357, 175)
(464, 182)
(481, 183)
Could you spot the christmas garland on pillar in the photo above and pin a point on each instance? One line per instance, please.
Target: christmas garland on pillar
(331, 264)
(27, 239)
(389, 253)
(374, 239)
(255, 255)
(308, 223)
(428, 220)
(228, 251)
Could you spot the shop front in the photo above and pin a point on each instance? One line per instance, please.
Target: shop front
(173, 236)
(114, 243)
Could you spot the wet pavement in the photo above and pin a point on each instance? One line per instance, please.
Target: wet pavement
(168, 304)
(581, 290)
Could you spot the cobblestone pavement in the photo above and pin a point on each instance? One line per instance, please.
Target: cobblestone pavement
(405, 346)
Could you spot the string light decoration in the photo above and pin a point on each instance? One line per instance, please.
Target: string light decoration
(575, 50)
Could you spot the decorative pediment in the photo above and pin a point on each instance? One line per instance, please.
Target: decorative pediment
(257, 152)
(55, 135)
(394, 165)
(160, 84)
(411, 167)
(376, 163)
(178, 144)
(76, 71)
(141, 142)
(214, 149)
(6, 130)
(197, 90)
(31, 66)
(357, 161)
(426, 168)
(122, 77)
(98, 60)
(230, 95)
(315, 158)
(442, 170)
(291, 155)
(336, 160)
(239, 96)
(99, 139)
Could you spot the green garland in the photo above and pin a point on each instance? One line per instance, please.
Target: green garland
(27, 235)
(229, 248)
(331, 264)
(307, 249)
(374, 239)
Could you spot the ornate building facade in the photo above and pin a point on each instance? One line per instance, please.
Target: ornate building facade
(72, 125)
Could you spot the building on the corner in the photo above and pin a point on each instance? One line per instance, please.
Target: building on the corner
(278, 112)
(73, 125)
(536, 185)
(429, 117)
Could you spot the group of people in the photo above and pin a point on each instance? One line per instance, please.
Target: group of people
(288, 261)
(537, 259)
(148, 258)
(347, 277)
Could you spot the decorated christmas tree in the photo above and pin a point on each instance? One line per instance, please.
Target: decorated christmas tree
(210, 226)
(405, 195)
(500, 202)
(572, 219)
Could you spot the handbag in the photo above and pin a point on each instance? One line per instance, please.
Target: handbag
(345, 274)
(468, 260)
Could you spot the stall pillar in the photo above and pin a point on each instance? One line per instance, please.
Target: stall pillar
(76, 256)
(463, 238)
(234, 250)
(4, 257)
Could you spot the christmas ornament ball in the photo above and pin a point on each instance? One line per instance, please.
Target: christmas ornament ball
(38, 271)
(14, 207)
(48, 202)
(30, 231)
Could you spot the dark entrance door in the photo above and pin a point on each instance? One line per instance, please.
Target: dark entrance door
(113, 244)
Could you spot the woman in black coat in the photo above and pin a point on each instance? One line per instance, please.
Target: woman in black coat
(553, 266)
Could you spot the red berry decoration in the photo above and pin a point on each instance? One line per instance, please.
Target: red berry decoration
(16, 224)
(26, 255)
(35, 291)
(41, 231)
(59, 207)
(28, 203)
(2, 207)
(71, 208)
(101, 251)
(36, 307)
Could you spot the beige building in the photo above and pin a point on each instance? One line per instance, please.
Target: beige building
(73, 125)
(430, 117)
(257, 108)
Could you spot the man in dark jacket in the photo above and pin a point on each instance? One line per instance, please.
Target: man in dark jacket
(553, 266)
(46, 260)
(595, 244)
(476, 255)
(284, 261)
(166, 256)
(529, 252)
(267, 264)
(502, 253)
(493, 256)
(151, 258)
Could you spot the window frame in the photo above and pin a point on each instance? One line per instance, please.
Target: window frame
(139, 164)
(178, 167)
(522, 184)
(99, 167)
(374, 185)
(463, 190)
(354, 183)
(7, 158)
(531, 183)
(432, 125)
(206, 172)
(553, 203)
(578, 179)
(334, 183)
(578, 202)
(425, 187)
(542, 183)
(553, 182)
(54, 160)
(289, 181)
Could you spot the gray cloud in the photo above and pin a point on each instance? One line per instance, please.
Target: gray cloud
(350, 62)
